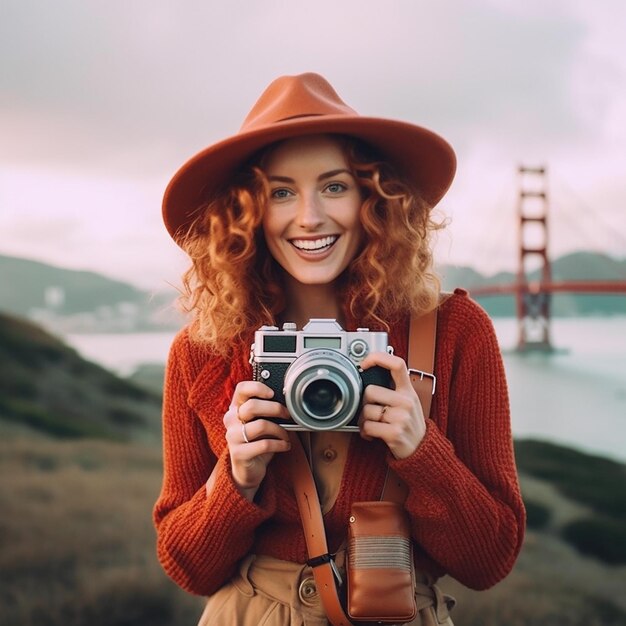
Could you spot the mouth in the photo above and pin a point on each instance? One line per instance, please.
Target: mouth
(314, 246)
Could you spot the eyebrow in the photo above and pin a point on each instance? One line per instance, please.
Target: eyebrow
(324, 176)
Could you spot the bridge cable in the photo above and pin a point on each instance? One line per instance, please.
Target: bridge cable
(587, 221)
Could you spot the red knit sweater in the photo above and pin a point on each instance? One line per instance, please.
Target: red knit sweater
(464, 500)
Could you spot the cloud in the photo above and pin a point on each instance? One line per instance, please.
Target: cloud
(144, 77)
(101, 102)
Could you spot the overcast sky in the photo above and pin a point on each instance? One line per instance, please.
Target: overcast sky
(101, 102)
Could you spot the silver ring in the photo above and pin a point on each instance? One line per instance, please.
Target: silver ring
(243, 432)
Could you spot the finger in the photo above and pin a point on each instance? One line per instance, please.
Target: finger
(389, 433)
(254, 408)
(374, 413)
(401, 402)
(374, 394)
(395, 365)
(254, 430)
(371, 429)
(248, 452)
(265, 429)
(247, 389)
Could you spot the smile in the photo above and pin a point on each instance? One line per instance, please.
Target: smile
(314, 245)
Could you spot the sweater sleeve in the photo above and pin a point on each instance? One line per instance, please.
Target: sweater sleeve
(200, 536)
(464, 499)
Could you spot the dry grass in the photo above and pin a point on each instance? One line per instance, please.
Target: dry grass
(551, 585)
(76, 537)
(77, 548)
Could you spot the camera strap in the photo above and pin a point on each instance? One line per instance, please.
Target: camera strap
(421, 356)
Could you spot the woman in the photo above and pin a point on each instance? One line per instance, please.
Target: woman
(312, 211)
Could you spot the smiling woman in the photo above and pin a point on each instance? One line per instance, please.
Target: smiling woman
(316, 218)
(312, 222)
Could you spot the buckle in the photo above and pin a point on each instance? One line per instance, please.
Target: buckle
(421, 374)
(316, 561)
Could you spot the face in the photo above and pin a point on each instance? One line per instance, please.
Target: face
(312, 226)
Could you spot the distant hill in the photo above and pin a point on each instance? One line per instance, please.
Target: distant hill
(66, 300)
(47, 387)
(25, 283)
(574, 266)
(71, 300)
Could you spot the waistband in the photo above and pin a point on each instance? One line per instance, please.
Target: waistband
(293, 585)
(289, 583)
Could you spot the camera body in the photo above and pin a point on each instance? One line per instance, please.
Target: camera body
(315, 372)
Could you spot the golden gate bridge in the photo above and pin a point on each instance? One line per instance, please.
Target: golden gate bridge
(533, 297)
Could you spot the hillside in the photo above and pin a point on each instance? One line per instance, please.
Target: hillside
(24, 284)
(594, 486)
(576, 266)
(64, 559)
(48, 387)
(80, 300)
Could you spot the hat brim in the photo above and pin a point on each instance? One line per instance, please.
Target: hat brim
(425, 158)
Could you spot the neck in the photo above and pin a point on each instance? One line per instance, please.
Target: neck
(308, 301)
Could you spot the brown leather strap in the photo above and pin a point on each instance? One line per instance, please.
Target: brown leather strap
(421, 361)
(421, 357)
(314, 532)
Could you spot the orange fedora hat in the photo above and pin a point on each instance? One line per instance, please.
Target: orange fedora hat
(302, 105)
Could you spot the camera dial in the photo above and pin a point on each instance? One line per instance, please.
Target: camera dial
(358, 349)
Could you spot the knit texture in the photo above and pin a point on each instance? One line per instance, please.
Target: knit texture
(464, 500)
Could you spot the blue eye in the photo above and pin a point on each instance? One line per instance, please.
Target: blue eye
(279, 194)
(336, 187)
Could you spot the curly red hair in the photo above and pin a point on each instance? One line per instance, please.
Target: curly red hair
(234, 285)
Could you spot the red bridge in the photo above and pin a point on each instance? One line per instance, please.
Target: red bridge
(533, 298)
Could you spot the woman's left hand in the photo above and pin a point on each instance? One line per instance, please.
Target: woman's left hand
(393, 415)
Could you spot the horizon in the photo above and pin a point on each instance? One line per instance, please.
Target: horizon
(439, 269)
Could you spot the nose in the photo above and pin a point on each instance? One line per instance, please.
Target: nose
(310, 213)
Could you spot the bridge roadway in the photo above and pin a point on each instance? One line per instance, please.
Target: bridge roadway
(566, 286)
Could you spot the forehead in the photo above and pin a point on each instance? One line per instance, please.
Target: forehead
(313, 150)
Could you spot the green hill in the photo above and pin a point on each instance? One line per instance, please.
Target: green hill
(81, 300)
(24, 283)
(575, 266)
(47, 386)
(596, 486)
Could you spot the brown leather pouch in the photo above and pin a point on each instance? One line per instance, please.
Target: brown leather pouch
(379, 564)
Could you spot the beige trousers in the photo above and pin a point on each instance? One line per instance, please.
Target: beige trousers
(271, 592)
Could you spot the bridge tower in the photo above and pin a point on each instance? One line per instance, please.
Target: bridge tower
(533, 303)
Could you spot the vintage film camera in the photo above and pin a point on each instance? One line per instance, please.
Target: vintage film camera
(315, 372)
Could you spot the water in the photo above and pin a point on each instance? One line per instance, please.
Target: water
(123, 352)
(576, 396)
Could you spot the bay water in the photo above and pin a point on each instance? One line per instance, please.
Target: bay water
(574, 396)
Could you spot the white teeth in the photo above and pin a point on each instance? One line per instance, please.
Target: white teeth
(314, 244)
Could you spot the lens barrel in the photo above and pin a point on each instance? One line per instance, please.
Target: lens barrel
(322, 390)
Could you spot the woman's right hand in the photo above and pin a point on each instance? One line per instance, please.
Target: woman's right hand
(251, 402)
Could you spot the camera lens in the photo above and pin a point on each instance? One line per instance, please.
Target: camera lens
(321, 397)
(322, 390)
